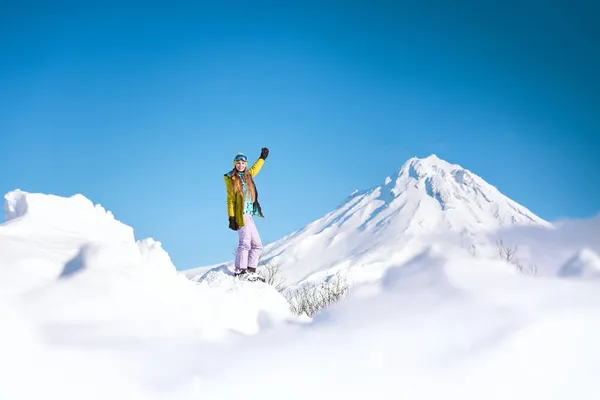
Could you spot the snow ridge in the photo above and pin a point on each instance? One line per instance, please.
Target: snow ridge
(75, 215)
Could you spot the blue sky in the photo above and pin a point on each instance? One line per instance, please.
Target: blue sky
(141, 109)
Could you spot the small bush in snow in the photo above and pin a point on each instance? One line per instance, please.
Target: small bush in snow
(312, 297)
(271, 271)
(473, 250)
(530, 269)
(509, 254)
(506, 253)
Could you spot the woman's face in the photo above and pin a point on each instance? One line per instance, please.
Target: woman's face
(240, 166)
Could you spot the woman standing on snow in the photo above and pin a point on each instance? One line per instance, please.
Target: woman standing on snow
(242, 207)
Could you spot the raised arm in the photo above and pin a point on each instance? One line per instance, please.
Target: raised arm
(257, 166)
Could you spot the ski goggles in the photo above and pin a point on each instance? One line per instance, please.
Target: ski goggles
(240, 157)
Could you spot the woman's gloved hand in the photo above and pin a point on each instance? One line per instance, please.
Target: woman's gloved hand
(232, 224)
(264, 153)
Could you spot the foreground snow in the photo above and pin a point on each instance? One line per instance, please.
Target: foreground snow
(88, 312)
(432, 329)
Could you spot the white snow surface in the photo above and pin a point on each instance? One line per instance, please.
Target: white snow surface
(89, 312)
(586, 264)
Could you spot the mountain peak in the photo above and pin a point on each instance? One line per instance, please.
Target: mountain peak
(430, 159)
(429, 166)
(462, 192)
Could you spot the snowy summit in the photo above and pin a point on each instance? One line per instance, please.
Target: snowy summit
(470, 203)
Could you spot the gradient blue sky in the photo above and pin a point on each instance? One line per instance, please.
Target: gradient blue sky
(141, 109)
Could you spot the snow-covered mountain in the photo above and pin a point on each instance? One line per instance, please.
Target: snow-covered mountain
(426, 200)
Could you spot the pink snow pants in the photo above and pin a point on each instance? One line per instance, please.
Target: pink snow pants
(250, 245)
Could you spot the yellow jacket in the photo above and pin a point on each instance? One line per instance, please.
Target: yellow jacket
(235, 202)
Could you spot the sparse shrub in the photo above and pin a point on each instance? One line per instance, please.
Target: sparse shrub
(529, 269)
(271, 271)
(506, 253)
(509, 254)
(311, 297)
(473, 250)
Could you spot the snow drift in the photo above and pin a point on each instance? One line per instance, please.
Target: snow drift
(551, 249)
(76, 216)
(43, 232)
(584, 264)
(74, 266)
(431, 328)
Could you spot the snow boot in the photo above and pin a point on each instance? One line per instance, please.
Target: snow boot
(240, 272)
(253, 276)
(248, 274)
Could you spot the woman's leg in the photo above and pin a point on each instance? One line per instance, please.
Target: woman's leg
(244, 245)
(255, 243)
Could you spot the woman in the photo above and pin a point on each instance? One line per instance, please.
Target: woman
(242, 207)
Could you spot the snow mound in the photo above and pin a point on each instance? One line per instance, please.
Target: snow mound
(45, 232)
(255, 301)
(146, 254)
(75, 215)
(80, 276)
(74, 266)
(424, 271)
(584, 264)
(115, 287)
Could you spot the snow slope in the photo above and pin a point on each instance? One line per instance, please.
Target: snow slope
(427, 200)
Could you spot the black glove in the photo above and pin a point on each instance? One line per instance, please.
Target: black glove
(264, 153)
(232, 224)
